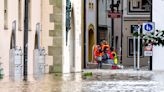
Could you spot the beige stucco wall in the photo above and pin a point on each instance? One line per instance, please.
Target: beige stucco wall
(46, 40)
(35, 18)
(5, 34)
(40, 13)
(127, 33)
(132, 19)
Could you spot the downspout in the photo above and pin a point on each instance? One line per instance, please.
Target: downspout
(25, 61)
(84, 34)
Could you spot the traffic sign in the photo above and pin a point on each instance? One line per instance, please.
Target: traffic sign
(135, 28)
(148, 27)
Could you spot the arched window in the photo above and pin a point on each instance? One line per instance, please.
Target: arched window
(5, 14)
(13, 36)
(20, 15)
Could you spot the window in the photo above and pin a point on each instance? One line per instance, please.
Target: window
(102, 34)
(130, 47)
(5, 14)
(20, 15)
(29, 15)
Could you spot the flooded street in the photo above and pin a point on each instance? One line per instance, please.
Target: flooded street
(100, 81)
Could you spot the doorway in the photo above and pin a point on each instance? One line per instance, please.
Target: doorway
(91, 42)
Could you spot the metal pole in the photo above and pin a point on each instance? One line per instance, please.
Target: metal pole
(112, 25)
(84, 35)
(122, 28)
(138, 57)
(134, 51)
(25, 72)
(151, 7)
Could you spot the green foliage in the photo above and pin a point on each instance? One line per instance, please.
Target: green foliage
(87, 74)
(155, 38)
(136, 34)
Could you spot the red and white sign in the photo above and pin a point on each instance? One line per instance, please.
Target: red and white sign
(148, 50)
(114, 14)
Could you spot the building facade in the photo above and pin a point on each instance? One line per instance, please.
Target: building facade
(12, 31)
(116, 28)
(135, 12)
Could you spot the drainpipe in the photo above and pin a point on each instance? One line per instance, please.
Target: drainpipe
(84, 38)
(25, 61)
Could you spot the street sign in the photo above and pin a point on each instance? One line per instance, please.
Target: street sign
(148, 50)
(148, 27)
(114, 14)
(135, 28)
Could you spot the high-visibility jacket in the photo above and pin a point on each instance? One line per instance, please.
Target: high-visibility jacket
(115, 57)
(105, 46)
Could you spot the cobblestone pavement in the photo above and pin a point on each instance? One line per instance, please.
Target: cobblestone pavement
(101, 81)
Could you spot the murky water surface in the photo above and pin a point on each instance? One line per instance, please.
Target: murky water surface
(100, 81)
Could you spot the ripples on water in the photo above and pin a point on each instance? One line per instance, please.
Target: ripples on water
(115, 82)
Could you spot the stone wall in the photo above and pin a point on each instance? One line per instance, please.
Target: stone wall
(56, 49)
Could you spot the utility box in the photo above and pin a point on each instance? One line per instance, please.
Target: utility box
(39, 61)
(16, 63)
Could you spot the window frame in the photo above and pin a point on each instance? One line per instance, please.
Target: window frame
(130, 53)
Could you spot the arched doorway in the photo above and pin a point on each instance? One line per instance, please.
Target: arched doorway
(91, 42)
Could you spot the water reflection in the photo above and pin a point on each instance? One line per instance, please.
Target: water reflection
(99, 82)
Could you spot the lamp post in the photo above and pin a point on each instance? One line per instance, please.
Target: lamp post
(25, 72)
(68, 17)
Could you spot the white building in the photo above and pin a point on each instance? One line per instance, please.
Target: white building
(12, 30)
(73, 51)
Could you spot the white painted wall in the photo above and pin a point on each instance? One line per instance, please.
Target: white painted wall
(90, 19)
(78, 35)
(158, 15)
(1, 14)
(35, 18)
(102, 12)
(66, 61)
(72, 52)
(158, 51)
(5, 34)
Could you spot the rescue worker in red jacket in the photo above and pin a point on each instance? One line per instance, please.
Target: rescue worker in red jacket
(98, 56)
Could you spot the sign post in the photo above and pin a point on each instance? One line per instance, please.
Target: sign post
(134, 29)
(134, 51)
(147, 29)
(138, 57)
